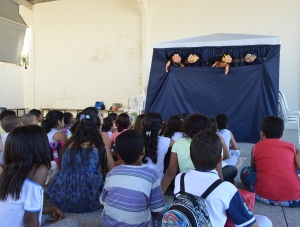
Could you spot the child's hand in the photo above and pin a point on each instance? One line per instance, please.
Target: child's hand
(57, 215)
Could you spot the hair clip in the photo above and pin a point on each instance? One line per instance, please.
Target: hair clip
(148, 133)
(82, 116)
(87, 117)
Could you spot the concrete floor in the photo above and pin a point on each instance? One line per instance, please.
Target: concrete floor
(280, 217)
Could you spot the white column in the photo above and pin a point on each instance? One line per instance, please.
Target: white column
(143, 4)
(29, 73)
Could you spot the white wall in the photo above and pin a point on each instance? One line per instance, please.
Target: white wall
(11, 86)
(87, 51)
(176, 19)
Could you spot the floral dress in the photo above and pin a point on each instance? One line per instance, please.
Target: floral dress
(77, 187)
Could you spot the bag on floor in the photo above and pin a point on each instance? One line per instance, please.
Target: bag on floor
(189, 210)
(249, 198)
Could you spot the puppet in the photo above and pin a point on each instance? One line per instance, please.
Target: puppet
(250, 58)
(192, 60)
(223, 61)
(175, 60)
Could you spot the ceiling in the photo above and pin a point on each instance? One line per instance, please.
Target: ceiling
(39, 1)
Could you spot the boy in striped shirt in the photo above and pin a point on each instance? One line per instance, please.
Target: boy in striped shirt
(132, 192)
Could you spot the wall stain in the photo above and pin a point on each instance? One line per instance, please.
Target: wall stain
(130, 49)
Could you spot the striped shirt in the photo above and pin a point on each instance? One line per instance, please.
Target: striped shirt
(129, 195)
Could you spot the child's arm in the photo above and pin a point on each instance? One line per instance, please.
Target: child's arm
(110, 161)
(171, 143)
(170, 172)
(55, 212)
(225, 149)
(254, 225)
(167, 65)
(253, 165)
(233, 142)
(219, 168)
(31, 219)
(60, 137)
(297, 157)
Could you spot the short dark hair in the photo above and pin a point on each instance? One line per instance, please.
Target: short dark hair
(113, 116)
(173, 125)
(122, 122)
(272, 127)
(26, 119)
(184, 116)
(107, 124)
(35, 112)
(222, 121)
(129, 145)
(206, 150)
(78, 116)
(67, 117)
(9, 123)
(195, 123)
(6, 113)
(213, 124)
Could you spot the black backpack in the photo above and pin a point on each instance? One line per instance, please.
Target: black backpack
(189, 210)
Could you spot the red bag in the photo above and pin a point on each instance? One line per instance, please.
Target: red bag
(249, 198)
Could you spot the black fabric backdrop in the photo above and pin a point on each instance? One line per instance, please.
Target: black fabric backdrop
(245, 95)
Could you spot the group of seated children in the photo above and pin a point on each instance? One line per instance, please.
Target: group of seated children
(129, 170)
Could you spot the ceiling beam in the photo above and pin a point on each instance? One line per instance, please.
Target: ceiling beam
(24, 3)
(39, 1)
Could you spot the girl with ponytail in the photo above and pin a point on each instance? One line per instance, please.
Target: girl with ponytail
(156, 146)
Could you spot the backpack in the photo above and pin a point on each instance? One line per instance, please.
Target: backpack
(189, 210)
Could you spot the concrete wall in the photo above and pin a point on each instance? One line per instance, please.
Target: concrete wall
(87, 51)
(91, 50)
(11, 86)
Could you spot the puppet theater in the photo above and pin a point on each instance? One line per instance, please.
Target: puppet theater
(246, 94)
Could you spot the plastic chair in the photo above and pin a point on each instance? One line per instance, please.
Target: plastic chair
(287, 115)
(136, 104)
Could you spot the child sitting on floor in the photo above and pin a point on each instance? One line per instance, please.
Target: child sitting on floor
(27, 161)
(138, 124)
(8, 124)
(4, 114)
(222, 123)
(38, 114)
(114, 117)
(156, 146)
(107, 126)
(122, 123)
(131, 191)
(76, 188)
(206, 149)
(272, 175)
(28, 119)
(53, 124)
(69, 120)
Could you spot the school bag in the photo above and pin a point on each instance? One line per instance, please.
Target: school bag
(189, 210)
